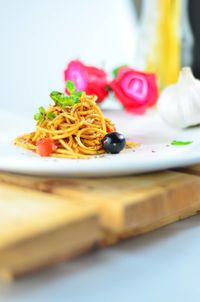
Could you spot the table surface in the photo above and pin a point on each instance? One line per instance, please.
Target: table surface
(160, 266)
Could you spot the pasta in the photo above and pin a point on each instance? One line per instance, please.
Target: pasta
(71, 132)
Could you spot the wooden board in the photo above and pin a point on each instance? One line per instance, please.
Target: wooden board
(193, 170)
(37, 229)
(126, 206)
(124, 203)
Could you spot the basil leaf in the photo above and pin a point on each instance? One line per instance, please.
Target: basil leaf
(65, 100)
(78, 93)
(56, 95)
(181, 143)
(38, 116)
(41, 110)
(70, 86)
(75, 98)
(51, 115)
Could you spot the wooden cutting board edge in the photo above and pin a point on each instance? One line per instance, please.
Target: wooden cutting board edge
(35, 184)
(114, 236)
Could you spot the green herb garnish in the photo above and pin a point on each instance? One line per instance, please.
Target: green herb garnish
(65, 100)
(70, 87)
(40, 114)
(41, 110)
(60, 99)
(51, 115)
(76, 96)
(56, 96)
(181, 143)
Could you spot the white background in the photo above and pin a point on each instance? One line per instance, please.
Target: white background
(39, 37)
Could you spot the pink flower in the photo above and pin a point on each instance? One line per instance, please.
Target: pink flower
(136, 90)
(90, 79)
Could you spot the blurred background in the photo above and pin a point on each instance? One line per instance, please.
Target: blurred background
(39, 38)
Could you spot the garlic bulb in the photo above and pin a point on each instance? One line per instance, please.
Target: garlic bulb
(179, 103)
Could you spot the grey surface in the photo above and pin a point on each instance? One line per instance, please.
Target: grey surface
(160, 266)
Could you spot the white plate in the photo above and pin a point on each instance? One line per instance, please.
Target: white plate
(155, 152)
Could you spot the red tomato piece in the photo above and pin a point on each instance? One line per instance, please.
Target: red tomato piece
(46, 146)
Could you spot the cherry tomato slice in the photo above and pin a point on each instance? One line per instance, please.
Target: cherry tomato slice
(46, 146)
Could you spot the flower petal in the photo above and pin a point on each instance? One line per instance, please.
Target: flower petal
(136, 90)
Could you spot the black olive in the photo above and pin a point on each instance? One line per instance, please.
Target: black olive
(114, 142)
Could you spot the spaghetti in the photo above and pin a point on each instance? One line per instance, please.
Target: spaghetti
(71, 132)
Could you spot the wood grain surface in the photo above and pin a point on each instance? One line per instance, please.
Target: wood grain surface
(37, 229)
(104, 210)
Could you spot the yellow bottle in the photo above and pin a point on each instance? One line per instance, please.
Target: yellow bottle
(163, 55)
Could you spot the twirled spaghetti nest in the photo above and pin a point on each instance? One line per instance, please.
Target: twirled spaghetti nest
(77, 131)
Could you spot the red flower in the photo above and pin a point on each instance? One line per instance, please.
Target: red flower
(90, 79)
(136, 90)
